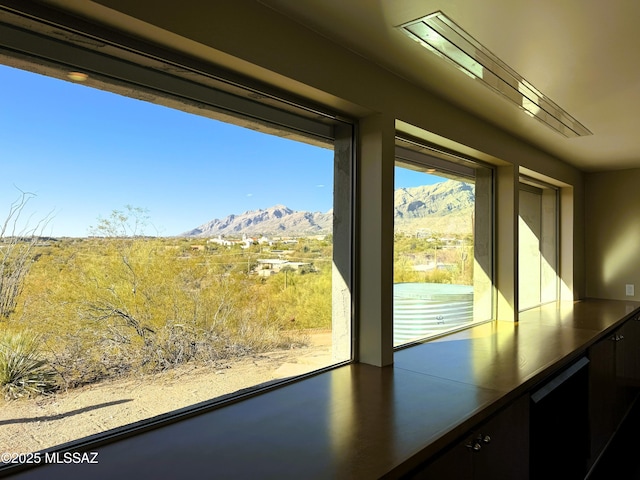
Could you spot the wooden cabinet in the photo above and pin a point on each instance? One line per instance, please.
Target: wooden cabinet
(456, 463)
(560, 427)
(628, 359)
(570, 431)
(614, 382)
(602, 395)
(497, 449)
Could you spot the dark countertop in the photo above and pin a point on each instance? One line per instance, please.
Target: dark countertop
(359, 421)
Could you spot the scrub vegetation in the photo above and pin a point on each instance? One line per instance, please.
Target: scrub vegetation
(436, 258)
(121, 303)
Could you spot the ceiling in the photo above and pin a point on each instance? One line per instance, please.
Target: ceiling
(578, 53)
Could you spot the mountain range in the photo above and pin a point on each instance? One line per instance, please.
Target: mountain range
(444, 207)
(277, 220)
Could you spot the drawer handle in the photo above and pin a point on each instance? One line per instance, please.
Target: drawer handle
(475, 446)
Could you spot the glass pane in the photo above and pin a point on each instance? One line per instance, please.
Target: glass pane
(529, 258)
(549, 247)
(537, 247)
(442, 253)
(154, 259)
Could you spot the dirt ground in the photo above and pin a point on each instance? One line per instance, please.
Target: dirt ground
(29, 425)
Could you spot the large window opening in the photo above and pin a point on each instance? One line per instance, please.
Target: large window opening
(537, 244)
(154, 258)
(442, 243)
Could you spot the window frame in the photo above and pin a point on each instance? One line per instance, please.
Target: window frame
(419, 153)
(126, 66)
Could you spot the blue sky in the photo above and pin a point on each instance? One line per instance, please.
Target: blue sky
(85, 152)
(405, 178)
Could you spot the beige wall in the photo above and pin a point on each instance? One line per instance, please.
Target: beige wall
(613, 234)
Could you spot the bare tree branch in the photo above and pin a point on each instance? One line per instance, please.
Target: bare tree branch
(16, 253)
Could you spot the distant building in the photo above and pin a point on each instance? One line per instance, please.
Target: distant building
(265, 240)
(220, 241)
(275, 264)
(270, 266)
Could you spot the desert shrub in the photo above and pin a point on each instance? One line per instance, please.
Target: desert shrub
(178, 343)
(122, 306)
(439, 276)
(23, 371)
(84, 357)
(173, 345)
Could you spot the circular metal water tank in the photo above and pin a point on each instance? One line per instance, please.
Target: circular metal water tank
(424, 309)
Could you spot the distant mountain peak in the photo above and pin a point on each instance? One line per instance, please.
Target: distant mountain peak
(445, 207)
(278, 219)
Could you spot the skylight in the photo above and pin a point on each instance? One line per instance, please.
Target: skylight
(445, 38)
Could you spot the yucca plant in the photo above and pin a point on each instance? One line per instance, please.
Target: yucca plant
(22, 370)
